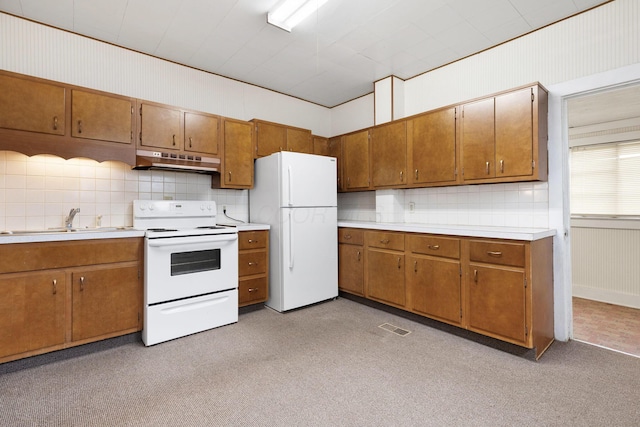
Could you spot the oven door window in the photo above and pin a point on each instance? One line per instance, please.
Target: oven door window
(195, 261)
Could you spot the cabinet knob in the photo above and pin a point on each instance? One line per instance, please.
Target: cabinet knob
(55, 283)
(55, 122)
(79, 126)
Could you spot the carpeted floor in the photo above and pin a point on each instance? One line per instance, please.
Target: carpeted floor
(326, 365)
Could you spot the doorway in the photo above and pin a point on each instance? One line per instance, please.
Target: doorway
(604, 163)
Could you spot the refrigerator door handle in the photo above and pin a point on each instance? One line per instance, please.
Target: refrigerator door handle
(290, 184)
(290, 242)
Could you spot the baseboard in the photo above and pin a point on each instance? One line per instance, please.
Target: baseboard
(604, 295)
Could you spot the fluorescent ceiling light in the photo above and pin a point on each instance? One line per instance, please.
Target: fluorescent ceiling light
(290, 13)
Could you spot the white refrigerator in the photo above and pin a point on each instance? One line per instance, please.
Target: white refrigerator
(296, 195)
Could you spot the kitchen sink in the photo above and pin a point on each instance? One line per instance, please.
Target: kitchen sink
(62, 230)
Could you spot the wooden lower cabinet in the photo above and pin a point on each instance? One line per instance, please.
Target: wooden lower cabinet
(253, 267)
(32, 311)
(105, 300)
(498, 288)
(55, 295)
(351, 260)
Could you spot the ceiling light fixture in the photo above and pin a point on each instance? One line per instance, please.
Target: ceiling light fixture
(290, 13)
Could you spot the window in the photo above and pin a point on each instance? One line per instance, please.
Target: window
(605, 179)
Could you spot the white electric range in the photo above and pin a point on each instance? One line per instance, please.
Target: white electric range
(190, 268)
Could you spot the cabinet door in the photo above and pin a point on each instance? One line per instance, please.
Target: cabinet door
(101, 117)
(106, 299)
(161, 127)
(432, 147)
(497, 302)
(385, 277)
(434, 285)
(389, 155)
(351, 269)
(478, 140)
(321, 146)
(270, 138)
(31, 106)
(299, 140)
(201, 133)
(355, 161)
(31, 311)
(514, 133)
(237, 163)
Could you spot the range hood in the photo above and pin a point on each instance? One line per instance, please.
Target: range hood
(176, 162)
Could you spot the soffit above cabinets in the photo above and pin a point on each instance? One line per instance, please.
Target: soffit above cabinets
(331, 57)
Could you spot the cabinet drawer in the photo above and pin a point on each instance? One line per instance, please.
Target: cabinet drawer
(501, 253)
(252, 239)
(436, 246)
(353, 236)
(252, 290)
(378, 239)
(252, 263)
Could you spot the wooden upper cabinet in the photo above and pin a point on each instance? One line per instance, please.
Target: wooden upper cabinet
(504, 138)
(514, 133)
(389, 155)
(355, 161)
(270, 138)
(101, 117)
(201, 133)
(161, 127)
(299, 140)
(478, 140)
(236, 166)
(32, 106)
(431, 148)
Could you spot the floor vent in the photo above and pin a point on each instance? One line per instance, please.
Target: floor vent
(394, 329)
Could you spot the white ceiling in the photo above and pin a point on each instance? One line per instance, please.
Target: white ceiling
(331, 57)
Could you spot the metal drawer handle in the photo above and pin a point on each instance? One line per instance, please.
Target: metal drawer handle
(475, 276)
(82, 283)
(254, 289)
(252, 241)
(415, 266)
(501, 166)
(79, 126)
(229, 176)
(399, 259)
(174, 140)
(347, 236)
(252, 263)
(384, 241)
(487, 168)
(401, 176)
(434, 247)
(55, 283)
(55, 122)
(416, 174)
(358, 253)
(190, 142)
(495, 254)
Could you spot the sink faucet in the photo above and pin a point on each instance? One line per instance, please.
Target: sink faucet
(68, 221)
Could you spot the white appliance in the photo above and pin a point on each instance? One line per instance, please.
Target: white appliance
(296, 195)
(190, 269)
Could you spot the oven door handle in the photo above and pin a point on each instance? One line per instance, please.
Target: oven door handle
(175, 241)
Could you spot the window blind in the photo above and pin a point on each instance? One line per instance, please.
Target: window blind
(605, 179)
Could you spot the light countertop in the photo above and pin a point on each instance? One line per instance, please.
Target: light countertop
(79, 234)
(247, 226)
(511, 233)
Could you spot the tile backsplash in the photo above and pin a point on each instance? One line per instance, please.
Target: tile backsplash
(37, 192)
(521, 205)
